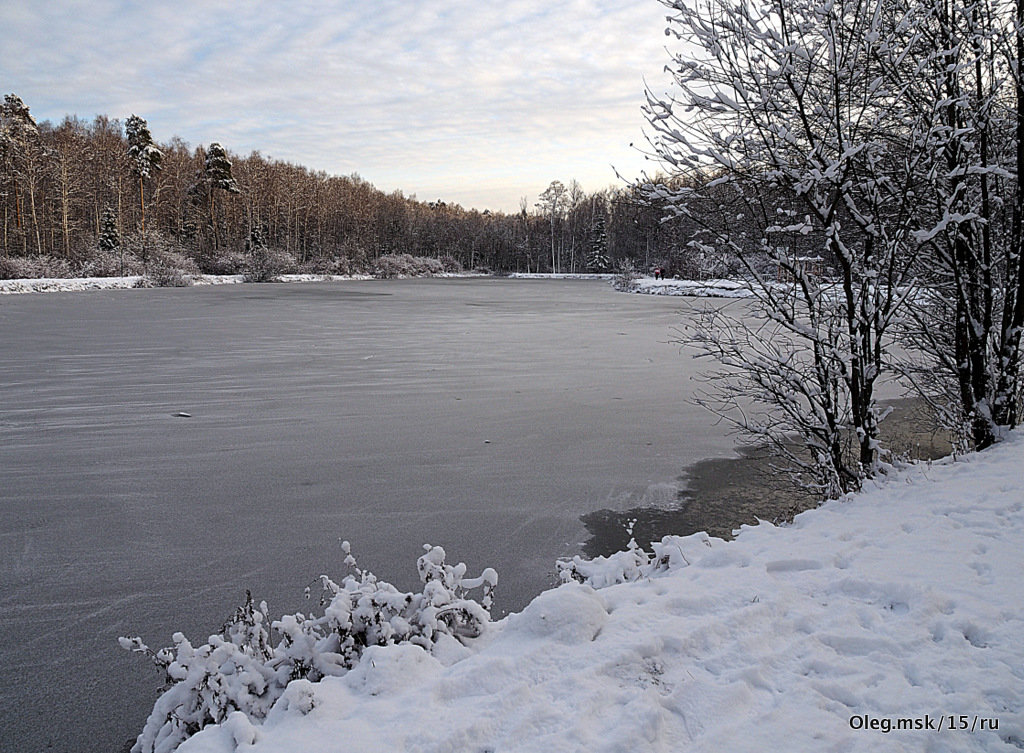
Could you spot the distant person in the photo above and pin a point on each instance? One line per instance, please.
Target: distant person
(657, 273)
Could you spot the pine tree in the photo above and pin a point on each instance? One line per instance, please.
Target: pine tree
(23, 153)
(218, 176)
(145, 160)
(218, 169)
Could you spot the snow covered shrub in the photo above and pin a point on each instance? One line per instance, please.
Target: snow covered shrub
(632, 564)
(318, 265)
(224, 263)
(33, 267)
(404, 265)
(428, 266)
(625, 275)
(242, 670)
(9, 268)
(267, 263)
(263, 263)
(393, 265)
(449, 264)
(170, 269)
(111, 263)
(164, 263)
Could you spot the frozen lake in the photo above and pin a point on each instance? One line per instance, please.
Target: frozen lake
(483, 415)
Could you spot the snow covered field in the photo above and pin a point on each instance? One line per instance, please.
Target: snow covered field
(893, 620)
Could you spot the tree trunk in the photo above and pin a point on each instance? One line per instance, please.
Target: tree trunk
(213, 219)
(35, 218)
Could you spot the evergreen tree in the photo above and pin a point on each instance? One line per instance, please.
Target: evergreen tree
(597, 253)
(218, 177)
(145, 159)
(109, 240)
(218, 169)
(22, 153)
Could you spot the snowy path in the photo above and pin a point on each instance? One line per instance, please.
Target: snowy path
(903, 606)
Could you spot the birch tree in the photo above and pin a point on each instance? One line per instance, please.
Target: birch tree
(786, 143)
(553, 203)
(968, 99)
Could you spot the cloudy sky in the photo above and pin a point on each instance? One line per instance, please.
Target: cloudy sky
(473, 101)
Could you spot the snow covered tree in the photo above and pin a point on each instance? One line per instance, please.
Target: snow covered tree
(969, 100)
(786, 146)
(23, 158)
(218, 169)
(597, 252)
(218, 177)
(145, 160)
(109, 239)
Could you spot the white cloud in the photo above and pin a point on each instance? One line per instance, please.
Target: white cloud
(466, 101)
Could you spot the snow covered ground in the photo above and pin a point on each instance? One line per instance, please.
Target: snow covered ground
(648, 285)
(558, 276)
(651, 286)
(892, 620)
(62, 285)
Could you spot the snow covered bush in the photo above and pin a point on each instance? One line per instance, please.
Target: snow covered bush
(263, 263)
(405, 265)
(449, 264)
(267, 263)
(633, 563)
(223, 263)
(241, 669)
(170, 269)
(111, 263)
(625, 275)
(24, 267)
(162, 260)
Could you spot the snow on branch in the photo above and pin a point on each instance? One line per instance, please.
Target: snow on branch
(241, 674)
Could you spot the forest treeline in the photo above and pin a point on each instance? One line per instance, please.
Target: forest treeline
(105, 198)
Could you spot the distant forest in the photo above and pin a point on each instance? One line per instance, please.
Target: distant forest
(105, 198)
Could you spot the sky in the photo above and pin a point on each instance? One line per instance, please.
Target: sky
(467, 101)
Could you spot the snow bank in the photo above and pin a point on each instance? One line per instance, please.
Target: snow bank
(60, 285)
(64, 285)
(702, 288)
(558, 276)
(892, 620)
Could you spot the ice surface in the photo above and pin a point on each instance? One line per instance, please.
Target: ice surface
(320, 411)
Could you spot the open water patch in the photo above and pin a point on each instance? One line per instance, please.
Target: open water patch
(719, 495)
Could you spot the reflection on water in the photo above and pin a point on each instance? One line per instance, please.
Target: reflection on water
(720, 496)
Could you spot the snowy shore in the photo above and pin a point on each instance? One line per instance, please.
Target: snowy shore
(891, 620)
(647, 285)
(65, 285)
